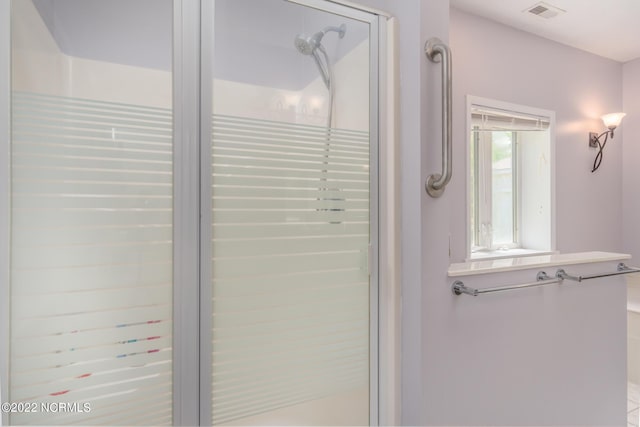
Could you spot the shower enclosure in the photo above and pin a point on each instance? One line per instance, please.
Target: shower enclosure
(192, 213)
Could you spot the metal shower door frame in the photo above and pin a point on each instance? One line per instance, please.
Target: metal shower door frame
(186, 55)
(5, 214)
(186, 210)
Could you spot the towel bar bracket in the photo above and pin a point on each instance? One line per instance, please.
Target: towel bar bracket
(562, 275)
(543, 276)
(458, 288)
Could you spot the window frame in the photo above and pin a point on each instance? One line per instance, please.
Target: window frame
(474, 253)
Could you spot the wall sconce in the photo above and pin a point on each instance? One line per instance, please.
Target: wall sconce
(611, 121)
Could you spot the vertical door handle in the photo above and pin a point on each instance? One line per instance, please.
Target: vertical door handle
(437, 51)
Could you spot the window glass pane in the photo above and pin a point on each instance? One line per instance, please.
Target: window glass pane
(502, 174)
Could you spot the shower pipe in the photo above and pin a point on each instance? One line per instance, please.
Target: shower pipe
(542, 279)
(437, 51)
(329, 84)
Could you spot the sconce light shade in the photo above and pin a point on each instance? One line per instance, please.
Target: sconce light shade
(612, 120)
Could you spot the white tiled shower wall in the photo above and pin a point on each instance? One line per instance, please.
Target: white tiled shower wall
(308, 106)
(37, 51)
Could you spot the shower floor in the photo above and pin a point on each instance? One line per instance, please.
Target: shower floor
(633, 404)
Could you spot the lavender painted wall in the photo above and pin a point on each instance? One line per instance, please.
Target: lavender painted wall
(499, 62)
(420, 132)
(631, 156)
(535, 357)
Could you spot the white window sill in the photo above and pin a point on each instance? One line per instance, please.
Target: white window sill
(487, 266)
(506, 253)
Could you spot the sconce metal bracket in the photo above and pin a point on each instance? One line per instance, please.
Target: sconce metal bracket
(593, 139)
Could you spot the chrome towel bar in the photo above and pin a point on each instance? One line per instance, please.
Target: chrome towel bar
(542, 279)
(622, 269)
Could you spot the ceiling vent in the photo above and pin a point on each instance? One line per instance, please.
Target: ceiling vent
(544, 10)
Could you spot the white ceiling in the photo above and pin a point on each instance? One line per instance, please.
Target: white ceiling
(609, 28)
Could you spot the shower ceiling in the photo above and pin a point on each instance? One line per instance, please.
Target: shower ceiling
(120, 31)
(251, 35)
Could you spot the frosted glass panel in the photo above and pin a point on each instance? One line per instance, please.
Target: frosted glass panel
(91, 219)
(290, 228)
(290, 278)
(91, 265)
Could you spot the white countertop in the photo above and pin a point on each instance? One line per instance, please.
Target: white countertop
(522, 263)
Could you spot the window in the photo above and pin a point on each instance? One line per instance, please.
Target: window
(510, 175)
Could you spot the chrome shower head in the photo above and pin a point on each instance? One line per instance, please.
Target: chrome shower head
(306, 45)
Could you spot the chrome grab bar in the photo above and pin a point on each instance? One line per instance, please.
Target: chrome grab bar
(437, 51)
(542, 279)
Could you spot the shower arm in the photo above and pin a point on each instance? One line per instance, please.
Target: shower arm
(340, 30)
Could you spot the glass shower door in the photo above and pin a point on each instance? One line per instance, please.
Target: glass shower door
(106, 177)
(290, 225)
(91, 213)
